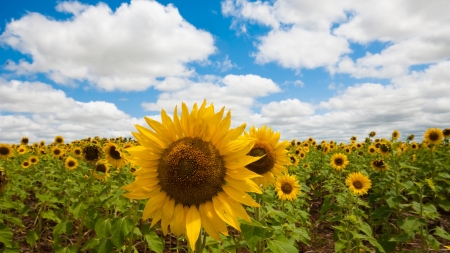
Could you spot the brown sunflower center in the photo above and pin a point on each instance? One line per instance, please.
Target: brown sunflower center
(33, 160)
(59, 140)
(114, 153)
(372, 150)
(191, 171)
(446, 132)
(91, 153)
(384, 148)
(24, 141)
(101, 168)
(357, 184)
(77, 152)
(286, 188)
(292, 159)
(26, 164)
(266, 163)
(71, 164)
(434, 136)
(4, 151)
(379, 163)
(339, 161)
(56, 151)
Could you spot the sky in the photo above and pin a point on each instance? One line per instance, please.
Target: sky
(324, 69)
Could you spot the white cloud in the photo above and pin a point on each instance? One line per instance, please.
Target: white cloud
(38, 111)
(287, 108)
(125, 49)
(226, 65)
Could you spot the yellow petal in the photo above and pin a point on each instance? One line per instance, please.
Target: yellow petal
(169, 207)
(207, 222)
(193, 225)
(241, 162)
(235, 206)
(218, 223)
(178, 220)
(241, 173)
(224, 211)
(240, 196)
(244, 185)
(152, 204)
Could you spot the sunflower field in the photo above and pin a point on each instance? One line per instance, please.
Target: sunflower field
(190, 183)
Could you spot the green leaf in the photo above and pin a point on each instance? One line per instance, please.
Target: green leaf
(69, 249)
(105, 246)
(410, 224)
(376, 245)
(442, 233)
(121, 227)
(154, 242)
(434, 244)
(14, 220)
(402, 237)
(339, 245)
(77, 209)
(444, 204)
(444, 175)
(381, 213)
(103, 228)
(32, 237)
(63, 227)
(6, 236)
(90, 244)
(51, 216)
(278, 246)
(366, 228)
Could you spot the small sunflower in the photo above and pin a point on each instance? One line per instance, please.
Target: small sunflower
(395, 135)
(91, 153)
(42, 143)
(293, 160)
(348, 149)
(339, 161)
(22, 149)
(372, 134)
(446, 132)
(42, 151)
(77, 151)
(101, 171)
(5, 151)
(57, 152)
(34, 159)
(358, 183)
(26, 164)
(113, 155)
(372, 150)
(433, 135)
(411, 137)
(379, 165)
(306, 166)
(302, 155)
(193, 171)
(384, 149)
(353, 138)
(24, 140)
(273, 153)
(287, 187)
(414, 146)
(70, 163)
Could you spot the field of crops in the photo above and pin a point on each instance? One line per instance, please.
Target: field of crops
(190, 183)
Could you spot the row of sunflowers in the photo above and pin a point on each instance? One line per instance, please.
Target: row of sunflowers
(191, 183)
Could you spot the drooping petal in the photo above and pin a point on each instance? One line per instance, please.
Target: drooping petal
(240, 196)
(193, 225)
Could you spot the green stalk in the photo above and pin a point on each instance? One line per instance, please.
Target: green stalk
(421, 215)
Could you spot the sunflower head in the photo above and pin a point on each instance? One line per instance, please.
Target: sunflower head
(113, 155)
(339, 161)
(26, 164)
(395, 135)
(379, 165)
(372, 134)
(57, 152)
(353, 138)
(411, 137)
(193, 171)
(78, 152)
(358, 183)
(92, 153)
(101, 170)
(384, 149)
(70, 163)
(433, 136)
(59, 140)
(446, 132)
(5, 151)
(372, 149)
(287, 187)
(22, 149)
(24, 140)
(34, 159)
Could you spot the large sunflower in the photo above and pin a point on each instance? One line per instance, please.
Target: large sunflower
(358, 183)
(113, 155)
(5, 151)
(339, 161)
(193, 172)
(273, 153)
(287, 187)
(433, 135)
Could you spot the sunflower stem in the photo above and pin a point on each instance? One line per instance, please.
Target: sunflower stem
(199, 244)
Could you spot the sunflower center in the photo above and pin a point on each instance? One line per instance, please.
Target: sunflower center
(339, 161)
(434, 136)
(357, 184)
(4, 151)
(191, 171)
(33, 160)
(114, 153)
(384, 148)
(77, 152)
(101, 168)
(266, 163)
(71, 163)
(286, 188)
(91, 153)
(379, 163)
(59, 140)
(292, 159)
(57, 152)
(26, 164)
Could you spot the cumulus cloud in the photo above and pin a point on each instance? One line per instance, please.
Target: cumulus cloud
(125, 49)
(39, 111)
(287, 108)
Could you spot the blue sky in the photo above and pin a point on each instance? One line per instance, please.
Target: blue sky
(325, 69)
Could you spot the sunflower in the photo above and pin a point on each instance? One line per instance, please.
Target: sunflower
(42, 143)
(24, 140)
(101, 171)
(58, 140)
(302, 155)
(273, 153)
(348, 149)
(325, 149)
(372, 149)
(22, 149)
(77, 151)
(91, 153)
(26, 164)
(5, 151)
(42, 151)
(34, 159)
(433, 135)
(339, 161)
(57, 152)
(293, 160)
(113, 155)
(70, 163)
(306, 166)
(411, 137)
(384, 149)
(358, 183)
(414, 146)
(379, 165)
(287, 187)
(193, 171)
(446, 132)
(353, 138)
(395, 135)
(372, 134)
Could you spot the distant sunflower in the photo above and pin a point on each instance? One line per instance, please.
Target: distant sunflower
(5, 151)
(57, 152)
(379, 165)
(113, 155)
(71, 163)
(302, 155)
(34, 159)
(411, 137)
(348, 150)
(395, 135)
(358, 183)
(306, 166)
(384, 149)
(24, 140)
(297, 152)
(91, 153)
(359, 145)
(22, 149)
(58, 140)
(353, 138)
(339, 161)
(101, 171)
(42, 143)
(77, 151)
(414, 146)
(446, 132)
(287, 187)
(325, 149)
(372, 150)
(42, 151)
(26, 164)
(372, 134)
(273, 153)
(433, 135)
(293, 160)
(193, 171)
